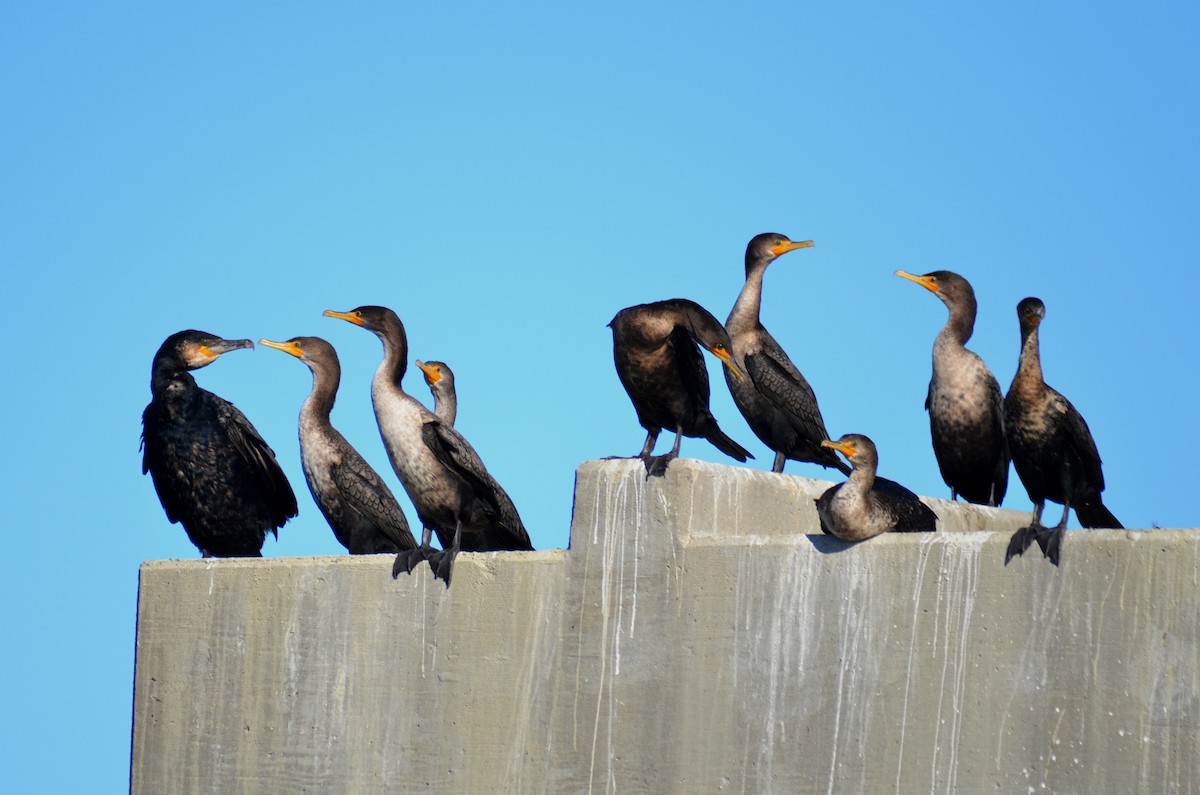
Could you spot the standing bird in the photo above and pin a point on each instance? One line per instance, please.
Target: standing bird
(965, 405)
(866, 505)
(440, 379)
(358, 505)
(775, 399)
(1052, 449)
(657, 353)
(448, 484)
(212, 471)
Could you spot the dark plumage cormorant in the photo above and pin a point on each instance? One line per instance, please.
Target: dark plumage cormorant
(356, 502)
(1052, 449)
(212, 471)
(775, 399)
(866, 505)
(965, 405)
(656, 350)
(447, 482)
(440, 379)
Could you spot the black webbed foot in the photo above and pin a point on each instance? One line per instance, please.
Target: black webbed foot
(442, 563)
(1020, 541)
(409, 559)
(656, 465)
(1050, 540)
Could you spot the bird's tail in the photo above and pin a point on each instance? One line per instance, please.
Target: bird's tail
(1094, 515)
(726, 445)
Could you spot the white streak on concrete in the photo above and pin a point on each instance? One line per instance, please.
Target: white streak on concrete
(927, 546)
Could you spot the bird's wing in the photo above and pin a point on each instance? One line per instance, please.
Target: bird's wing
(1080, 437)
(906, 507)
(154, 462)
(996, 402)
(823, 506)
(369, 497)
(692, 370)
(789, 392)
(456, 453)
(259, 456)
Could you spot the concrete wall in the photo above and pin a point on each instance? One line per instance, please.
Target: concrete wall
(693, 639)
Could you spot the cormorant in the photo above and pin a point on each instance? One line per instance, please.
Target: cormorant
(440, 379)
(866, 505)
(1052, 449)
(448, 484)
(965, 405)
(358, 505)
(775, 399)
(213, 472)
(656, 350)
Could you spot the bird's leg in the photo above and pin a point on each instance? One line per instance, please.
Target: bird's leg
(651, 438)
(442, 562)
(409, 559)
(780, 460)
(1021, 539)
(1050, 538)
(656, 465)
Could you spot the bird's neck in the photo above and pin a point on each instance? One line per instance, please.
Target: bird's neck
(745, 313)
(445, 406)
(961, 324)
(164, 372)
(860, 481)
(1029, 367)
(395, 359)
(319, 402)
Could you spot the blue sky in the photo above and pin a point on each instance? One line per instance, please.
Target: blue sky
(508, 178)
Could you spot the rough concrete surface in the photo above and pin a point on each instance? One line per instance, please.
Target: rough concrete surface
(693, 639)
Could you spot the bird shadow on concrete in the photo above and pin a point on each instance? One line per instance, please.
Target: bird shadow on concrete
(829, 544)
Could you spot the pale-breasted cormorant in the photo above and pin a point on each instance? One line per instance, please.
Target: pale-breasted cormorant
(440, 379)
(657, 353)
(449, 486)
(866, 505)
(358, 505)
(776, 400)
(1052, 449)
(965, 405)
(213, 473)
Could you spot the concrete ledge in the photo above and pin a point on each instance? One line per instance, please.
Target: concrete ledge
(693, 639)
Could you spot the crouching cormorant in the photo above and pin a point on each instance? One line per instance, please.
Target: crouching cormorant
(358, 505)
(448, 484)
(1052, 449)
(965, 405)
(777, 402)
(657, 354)
(865, 505)
(213, 473)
